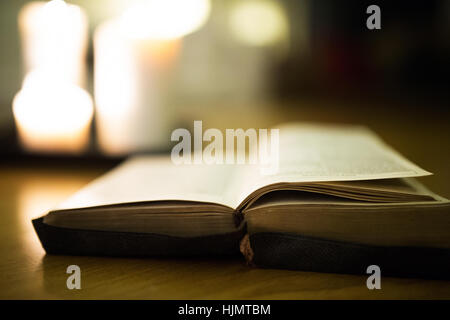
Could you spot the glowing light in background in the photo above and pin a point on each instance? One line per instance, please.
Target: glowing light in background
(115, 77)
(258, 22)
(55, 9)
(52, 114)
(165, 19)
(134, 56)
(54, 34)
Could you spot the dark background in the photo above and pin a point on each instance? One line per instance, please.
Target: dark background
(332, 57)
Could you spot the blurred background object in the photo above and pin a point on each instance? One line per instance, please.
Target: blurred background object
(54, 35)
(135, 55)
(153, 65)
(52, 113)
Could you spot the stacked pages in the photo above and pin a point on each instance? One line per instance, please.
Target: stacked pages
(341, 200)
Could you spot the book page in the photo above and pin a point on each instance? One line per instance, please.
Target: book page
(307, 153)
(320, 153)
(149, 178)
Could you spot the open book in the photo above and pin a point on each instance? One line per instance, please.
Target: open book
(340, 201)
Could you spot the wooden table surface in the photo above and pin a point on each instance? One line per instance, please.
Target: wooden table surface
(28, 190)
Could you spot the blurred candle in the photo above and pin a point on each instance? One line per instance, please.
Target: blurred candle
(134, 56)
(51, 114)
(54, 34)
(131, 78)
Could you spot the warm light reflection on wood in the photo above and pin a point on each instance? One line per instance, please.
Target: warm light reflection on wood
(28, 192)
(39, 195)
